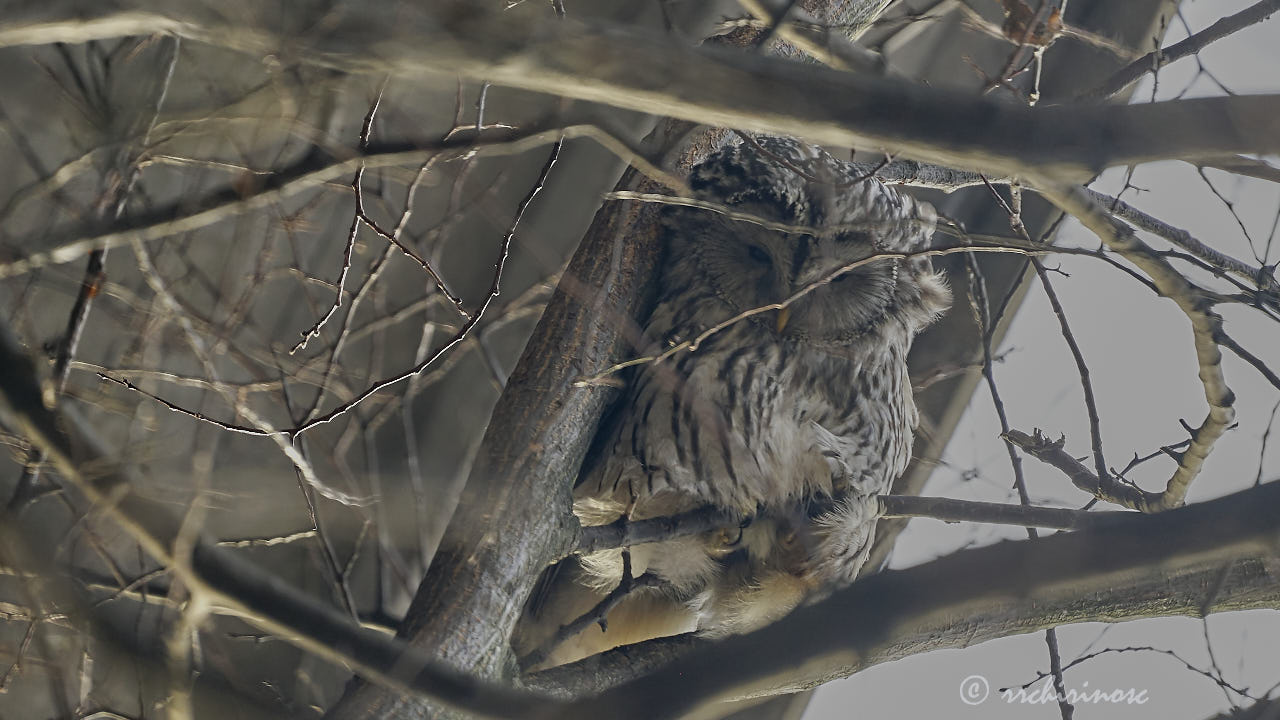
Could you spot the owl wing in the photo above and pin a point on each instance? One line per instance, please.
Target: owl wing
(681, 439)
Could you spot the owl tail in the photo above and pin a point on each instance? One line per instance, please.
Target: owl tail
(566, 593)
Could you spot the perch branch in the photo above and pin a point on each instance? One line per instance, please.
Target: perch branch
(950, 510)
(1146, 566)
(627, 533)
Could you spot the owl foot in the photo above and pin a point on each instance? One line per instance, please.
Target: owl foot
(728, 540)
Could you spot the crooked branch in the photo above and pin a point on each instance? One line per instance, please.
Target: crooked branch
(1206, 327)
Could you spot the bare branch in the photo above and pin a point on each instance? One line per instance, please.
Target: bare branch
(1108, 488)
(656, 74)
(307, 175)
(1148, 566)
(1262, 278)
(1258, 363)
(627, 533)
(1156, 59)
(1206, 330)
(603, 377)
(951, 510)
(222, 580)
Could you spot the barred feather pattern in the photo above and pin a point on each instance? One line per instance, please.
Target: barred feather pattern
(792, 423)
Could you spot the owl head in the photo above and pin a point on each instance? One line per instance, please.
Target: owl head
(791, 218)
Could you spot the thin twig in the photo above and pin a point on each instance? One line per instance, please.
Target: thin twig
(1266, 437)
(946, 372)
(1082, 368)
(195, 414)
(460, 336)
(1243, 692)
(981, 306)
(1052, 452)
(1258, 363)
(365, 129)
(464, 331)
(1139, 459)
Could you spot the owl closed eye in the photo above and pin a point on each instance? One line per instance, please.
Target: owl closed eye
(824, 263)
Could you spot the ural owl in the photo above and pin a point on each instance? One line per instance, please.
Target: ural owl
(791, 420)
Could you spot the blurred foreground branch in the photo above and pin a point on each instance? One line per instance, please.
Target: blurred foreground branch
(632, 69)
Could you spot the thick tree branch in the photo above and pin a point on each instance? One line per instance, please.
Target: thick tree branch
(1151, 565)
(514, 518)
(630, 69)
(500, 542)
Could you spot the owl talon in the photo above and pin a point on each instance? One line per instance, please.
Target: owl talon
(725, 541)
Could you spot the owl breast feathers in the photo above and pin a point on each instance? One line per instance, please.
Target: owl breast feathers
(792, 420)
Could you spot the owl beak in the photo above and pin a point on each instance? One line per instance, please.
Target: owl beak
(784, 316)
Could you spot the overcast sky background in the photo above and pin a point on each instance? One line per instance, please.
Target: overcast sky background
(1143, 368)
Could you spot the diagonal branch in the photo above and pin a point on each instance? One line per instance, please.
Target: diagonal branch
(1105, 486)
(1262, 277)
(635, 70)
(1148, 566)
(1156, 59)
(307, 175)
(221, 579)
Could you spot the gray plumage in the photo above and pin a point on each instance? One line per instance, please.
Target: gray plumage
(793, 421)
